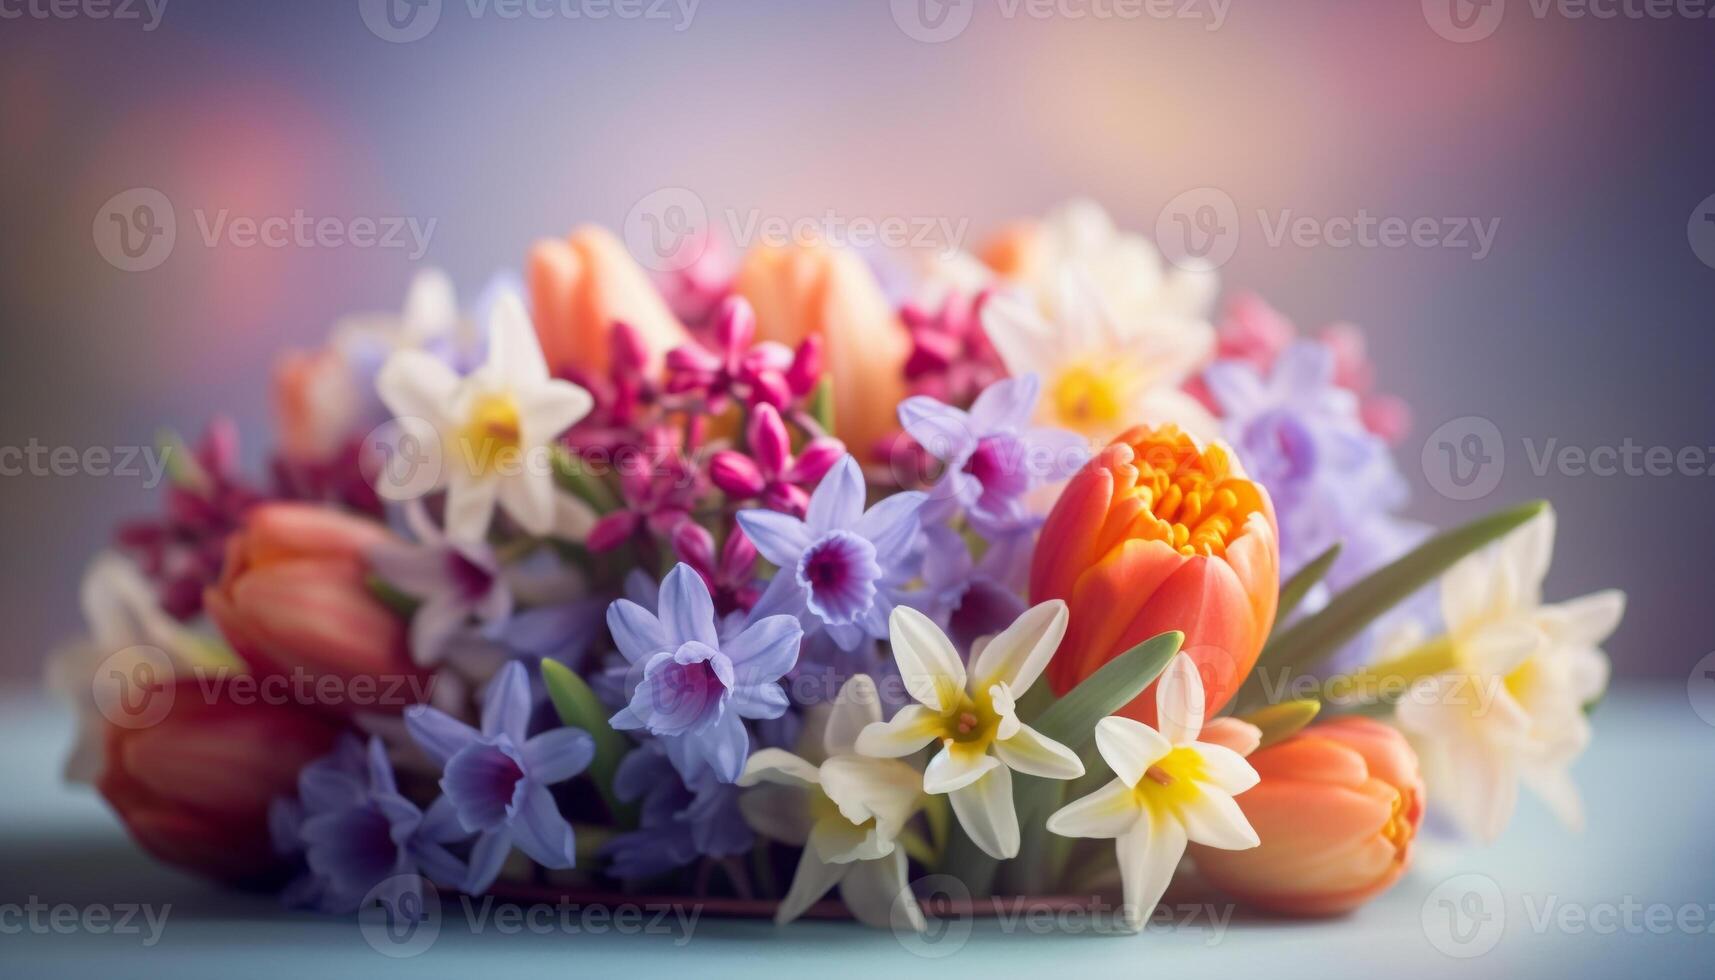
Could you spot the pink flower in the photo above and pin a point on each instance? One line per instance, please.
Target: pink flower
(767, 373)
(731, 577)
(659, 485)
(951, 357)
(771, 472)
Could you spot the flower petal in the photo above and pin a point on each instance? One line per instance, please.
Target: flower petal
(416, 385)
(908, 731)
(778, 812)
(687, 612)
(1212, 818)
(1034, 754)
(780, 538)
(928, 665)
(1148, 856)
(765, 650)
(810, 882)
(856, 706)
(1130, 747)
(836, 504)
(1108, 812)
(957, 766)
(558, 754)
(486, 857)
(1179, 701)
(778, 766)
(943, 431)
(514, 354)
(437, 733)
(892, 526)
(1017, 656)
(1007, 403)
(542, 833)
(506, 704)
(636, 631)
(880, 789)
(986, 811)
(1225, 768)
(879, 896)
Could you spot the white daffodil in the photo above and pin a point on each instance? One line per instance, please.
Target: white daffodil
(132, 643)
(495, 425)
(973, 718)
(1511, 708)
(430, 319)
(1102, 374)
(1169, 789)
(1126, 270)
(846, 811)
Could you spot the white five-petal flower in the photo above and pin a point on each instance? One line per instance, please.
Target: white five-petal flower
(1169, 789)
(495, 425)
(846, 812)
(972, 715)
(1512, 708)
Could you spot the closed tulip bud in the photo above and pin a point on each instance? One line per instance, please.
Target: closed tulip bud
(1157, 534)
(294, 596)
(1337, 809)
(194, 788)
(579, 287)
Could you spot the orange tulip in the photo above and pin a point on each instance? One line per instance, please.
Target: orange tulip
(1156, 534)
(316, 403)
(579, 287)
(1337, 809)
(800, 290)
(194, 788)
(293, 595)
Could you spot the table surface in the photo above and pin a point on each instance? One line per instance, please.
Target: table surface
(1635, 889)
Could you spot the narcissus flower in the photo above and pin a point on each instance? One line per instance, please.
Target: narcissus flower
(1337, 809)
(1170, 788)
(1158, 534)
(971, 714)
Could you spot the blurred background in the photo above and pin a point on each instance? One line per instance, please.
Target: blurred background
(1582, 147)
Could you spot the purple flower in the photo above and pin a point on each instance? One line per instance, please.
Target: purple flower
(356, 831)
(454, 582)
(841, 568)
(678, 822)
(497, 780)
(693, 687)
(994, 455)
(968, 598)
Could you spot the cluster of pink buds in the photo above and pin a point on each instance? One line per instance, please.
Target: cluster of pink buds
(731, 576)
(951, 357)
(735, 370)
(770, 472)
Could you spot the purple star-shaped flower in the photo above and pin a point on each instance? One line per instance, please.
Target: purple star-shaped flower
(994, 455)
(842, 568)
(692, 689)
(497, 780)
(680, 821)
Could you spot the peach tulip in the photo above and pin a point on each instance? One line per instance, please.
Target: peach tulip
(316, 403)
(806, 289)
(194, 788)
(1337, 809)
(294, 596)
(1156, 534)
(579, 287)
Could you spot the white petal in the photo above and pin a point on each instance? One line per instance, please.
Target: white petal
(955, 767)
(811, 881)
(1148, 857)
(928, 664)
(1179, 701)
(779, 813)
(835, 840)
(778, 766)
(856, 706)
(906, 732)
(1129, 747)
(1212, 817)
(880, 789)
(1468, 590)
(514, 354)
(1587, 620)
(1017, 656)
(1022, 338)
(1108, 812)
(413, 384)
(431, 307)
(1490, 787)
(986, 811)
(528, 498)
(470, 508)
(1034, 754)
(878, 893)
(551, 409)
(1527, 553)
(1498, 649)
(1224, 768)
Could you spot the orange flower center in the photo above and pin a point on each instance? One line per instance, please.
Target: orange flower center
(1194, 500)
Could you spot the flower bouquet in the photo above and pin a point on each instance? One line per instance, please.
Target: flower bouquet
(754, 581)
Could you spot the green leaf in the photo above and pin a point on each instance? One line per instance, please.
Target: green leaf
(1071, 721)
(574, 477)
(1299, 586)
(401, 604)
(1282, 721)
(822, 404)
(578, 707)
(1306, 643)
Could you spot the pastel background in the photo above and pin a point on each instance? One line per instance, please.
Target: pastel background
(1589, 140)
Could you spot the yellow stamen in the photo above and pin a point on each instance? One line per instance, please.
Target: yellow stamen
(1194, 500)
(492, 434)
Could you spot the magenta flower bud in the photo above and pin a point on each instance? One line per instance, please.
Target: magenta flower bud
(735, 325)
(689, 359)
(736, 474)
(630, 353)
(612, 531)
(806, 368)
(769, 389)
(815, 458)
(695, 546)
(738, 555)
(770, 445)
(787, 498)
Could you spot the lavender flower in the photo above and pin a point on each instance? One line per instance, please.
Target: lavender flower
(497, 780)
(356, 831)
(994, 455)
(679, 822)
(970, 598)
(693, 688)
(455, 582)
(842, 568)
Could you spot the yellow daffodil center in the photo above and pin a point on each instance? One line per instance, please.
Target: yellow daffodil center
(492, 433)
(1172, 783)
(1173, 492)
(971, 724)
(1091, 397)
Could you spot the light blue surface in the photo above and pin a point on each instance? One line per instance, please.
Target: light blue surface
(1647, 786)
